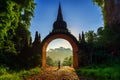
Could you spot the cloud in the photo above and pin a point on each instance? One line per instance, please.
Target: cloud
(59, 43)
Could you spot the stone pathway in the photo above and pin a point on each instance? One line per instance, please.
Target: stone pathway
(52, 73)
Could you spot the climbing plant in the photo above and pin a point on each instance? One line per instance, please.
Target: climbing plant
(15, 16)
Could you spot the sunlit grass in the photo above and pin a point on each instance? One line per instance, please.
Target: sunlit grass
(7, 74)
(100, 73)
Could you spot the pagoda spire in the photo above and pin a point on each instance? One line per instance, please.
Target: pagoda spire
(60, 25)
(59, 16)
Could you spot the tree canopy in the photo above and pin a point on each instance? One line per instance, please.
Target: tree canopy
(15, 17)
(99, 2)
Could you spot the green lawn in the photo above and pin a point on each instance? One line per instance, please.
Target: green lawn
(7, 74)
(100, 72)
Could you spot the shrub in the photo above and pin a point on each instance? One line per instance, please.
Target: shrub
(7, 74)
(100, 73)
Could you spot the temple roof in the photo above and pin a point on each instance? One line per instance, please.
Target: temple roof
(60, 24)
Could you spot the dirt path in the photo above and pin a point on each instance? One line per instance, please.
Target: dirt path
(52, 73)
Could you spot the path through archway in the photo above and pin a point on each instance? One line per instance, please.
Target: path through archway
(59, 51)
(70, 38)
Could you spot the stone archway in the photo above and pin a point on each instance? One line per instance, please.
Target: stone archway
(69, 37)
(60, 31)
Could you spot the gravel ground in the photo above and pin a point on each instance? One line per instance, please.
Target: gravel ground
(52, 73)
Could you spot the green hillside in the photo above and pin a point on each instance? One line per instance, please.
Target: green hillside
(59, 53)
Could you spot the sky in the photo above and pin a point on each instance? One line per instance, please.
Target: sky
(80, 15)
(57, 43)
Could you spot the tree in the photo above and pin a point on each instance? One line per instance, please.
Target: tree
(15, 16)
(107, 38)
(99, 3)
(88, 49)
(22, 31)
(110, 12)
(49, 61)
(90, 36)
(36, 50)
(68, 61)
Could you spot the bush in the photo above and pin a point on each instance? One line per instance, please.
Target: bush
(7, 74)
(100, 73)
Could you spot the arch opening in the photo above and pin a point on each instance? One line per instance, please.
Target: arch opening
(59, 50)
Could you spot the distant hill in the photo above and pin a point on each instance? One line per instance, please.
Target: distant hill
(59, 53)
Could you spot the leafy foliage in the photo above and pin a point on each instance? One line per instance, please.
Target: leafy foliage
(15, 39)
(100, 72)
(30, 55)
(101, 47)
(7, 74)
(99, 2)
(50, 61)
(68, 61)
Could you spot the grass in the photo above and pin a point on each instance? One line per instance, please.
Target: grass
(100, 72)
(7, 74)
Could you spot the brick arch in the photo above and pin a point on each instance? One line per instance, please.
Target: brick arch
(69, 37)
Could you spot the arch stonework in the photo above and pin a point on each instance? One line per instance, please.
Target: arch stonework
(67, 36)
